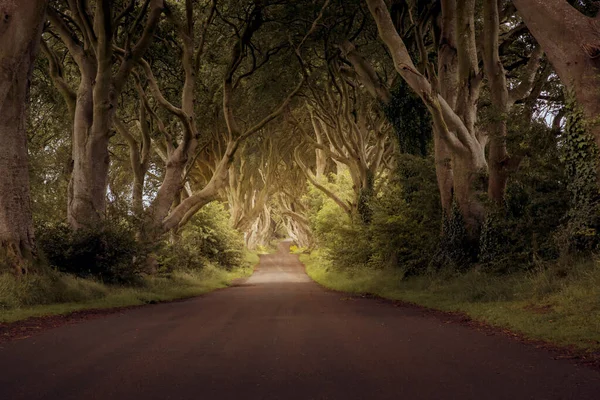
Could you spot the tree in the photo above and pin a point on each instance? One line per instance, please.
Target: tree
(19, 41)
(90, 37)
(452, 94)
(571, 41)
(503, 98)
(452, 102)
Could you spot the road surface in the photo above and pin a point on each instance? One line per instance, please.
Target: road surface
(280, 336)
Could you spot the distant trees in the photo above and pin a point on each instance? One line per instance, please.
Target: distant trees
(161, 216)
(109, 46)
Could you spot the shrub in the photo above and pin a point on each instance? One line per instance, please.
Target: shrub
(403, 230)
(107, 252)
(581, 233)
(207, 238)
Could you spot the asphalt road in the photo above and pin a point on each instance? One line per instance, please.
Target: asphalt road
(280, 336)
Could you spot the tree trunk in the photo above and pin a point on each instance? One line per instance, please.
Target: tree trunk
(571, 42)
(139, 176)
(19, 39)
(453, 104)
(496, 76)
(87, 188)
(466, 175)
(166, 197)
(447, 87)
(444, 174)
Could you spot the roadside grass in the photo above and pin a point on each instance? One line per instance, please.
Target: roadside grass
(547, 305)
(56, 294)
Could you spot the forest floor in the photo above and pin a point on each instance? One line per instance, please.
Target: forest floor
(279, 335)
(43, 298)
(542, 306)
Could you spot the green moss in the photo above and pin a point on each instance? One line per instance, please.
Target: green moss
(545, 305)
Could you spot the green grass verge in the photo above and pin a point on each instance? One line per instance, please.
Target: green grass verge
(548, 305)
(56, 294)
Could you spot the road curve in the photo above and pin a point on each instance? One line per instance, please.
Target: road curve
(278, 335)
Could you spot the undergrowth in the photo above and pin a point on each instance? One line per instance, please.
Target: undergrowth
(53, 293)
(545, 304)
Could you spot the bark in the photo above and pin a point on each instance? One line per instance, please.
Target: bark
(320, 156)
(250, 188)
(296, 224)
(571, 42)
(261, 231)
(20, 33)
(502, 99)
(496, 77)
(465, 193)
(87, 187)
(447, 87)
(366, 73)
(139, 156)
(97, 96)
(453, 105)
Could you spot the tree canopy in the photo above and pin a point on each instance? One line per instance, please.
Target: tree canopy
(419, 133)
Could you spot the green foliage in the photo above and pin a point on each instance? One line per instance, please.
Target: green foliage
(456, 249)
(108, 251)
(403, 229)
(47, 288)
(410, 119)
(580, 156)
(521, 234)
(207, 238)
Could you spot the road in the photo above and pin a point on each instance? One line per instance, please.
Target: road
(278, 335)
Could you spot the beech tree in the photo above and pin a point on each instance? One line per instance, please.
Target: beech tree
(19, 41)
(251, 184)
(452, 93)
(90, 33)
(571, 41)
(291, 114)
(503, 97)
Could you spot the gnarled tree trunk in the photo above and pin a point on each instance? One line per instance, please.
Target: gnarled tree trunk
(87, 196)
(89, 39)
(502, 99)
(452, 104)
(571, 42)
(20, 33)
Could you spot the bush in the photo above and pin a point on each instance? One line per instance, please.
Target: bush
(406, 223)
(107, 252)
(581, 233)
(404, 226)
(207, 238)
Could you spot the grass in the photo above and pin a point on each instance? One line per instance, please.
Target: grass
(548, 305)
(57, 294)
